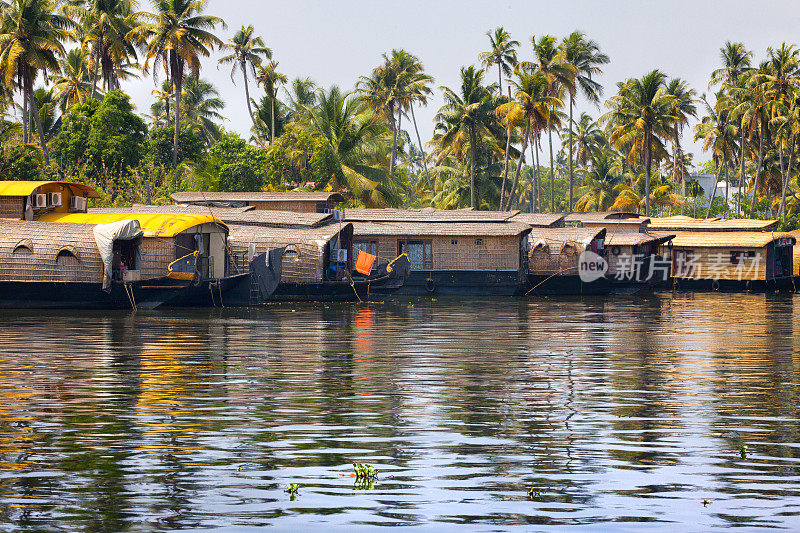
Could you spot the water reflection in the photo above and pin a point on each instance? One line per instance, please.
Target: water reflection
(612, 410)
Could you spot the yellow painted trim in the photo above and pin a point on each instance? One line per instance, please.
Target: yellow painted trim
(153, 224)
(25, 188)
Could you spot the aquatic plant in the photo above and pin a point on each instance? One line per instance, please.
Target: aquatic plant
(365, 472)
(293, 491)
(743, 451)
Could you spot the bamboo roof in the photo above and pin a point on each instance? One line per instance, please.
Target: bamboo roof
(566, 234)
(434, 229)
(247, 215)
(541, 220)
(47, 234)
(727, 239)
(599, 216)
(256, 196)
(627, 238)
(320, 235)
(153, 224)
(26, 188)
(684, 223)
(427, 214)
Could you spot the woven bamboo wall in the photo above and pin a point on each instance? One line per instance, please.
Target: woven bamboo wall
(46, 241)
(496, 253)
(306, 267)
(552, 261)
(11, 207)
(296, 206)
(157, 254)
(619, 262)
(708, 267)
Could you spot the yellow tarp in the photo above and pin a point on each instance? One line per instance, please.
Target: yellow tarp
(24, 188)
(153, 224)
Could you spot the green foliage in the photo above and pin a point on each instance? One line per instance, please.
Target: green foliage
(191, 145)
(242, 167)
(298, 156)
(20, 162)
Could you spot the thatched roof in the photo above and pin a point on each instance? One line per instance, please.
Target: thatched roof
(427, 214)
(433, 229)
(684, 223)
(561, 235)
(290, 196)
(247, 215)
(629, 238)
(25, 188)
(727, 239)
(593, 216)
(541, 220)
(256, 234)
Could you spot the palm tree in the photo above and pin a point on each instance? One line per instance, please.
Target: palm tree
(586, 139)
(598, 193)
(46, 107)
(104, 26)
(502, 52)
(683, 107)
(585, 57)
(246, 50)
(302, 94)
(271, 79)
(73, 86)
(413, 87)
(201, 107)
(464, 117)
(358, 145)
(735, 62)
(177, 35)
(532, 106)
(718, 136)
(641, 113)
(30, 42)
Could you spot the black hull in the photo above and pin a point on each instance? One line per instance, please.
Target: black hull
(542, 285)
(147, 294)
(461, 283)
(233, 291)
(726, 285)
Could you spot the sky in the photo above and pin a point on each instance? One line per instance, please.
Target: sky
(335, 42)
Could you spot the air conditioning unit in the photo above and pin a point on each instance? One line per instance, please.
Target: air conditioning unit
(339, 255)
(39, 201)
(54, 199)
(77, 203)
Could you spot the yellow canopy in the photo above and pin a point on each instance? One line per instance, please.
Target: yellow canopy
(153, 224)
(24, 188)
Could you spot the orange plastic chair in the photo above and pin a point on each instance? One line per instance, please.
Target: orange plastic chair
(364, 262)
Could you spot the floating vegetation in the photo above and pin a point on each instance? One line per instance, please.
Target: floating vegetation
(293, 490)
(706, 503)
(534, 493)
(366, 475)
(743, 452)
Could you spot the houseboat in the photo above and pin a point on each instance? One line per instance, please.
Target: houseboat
(302, 202)
(554, 261)
(452, 257)
(684, 223)
(188, 246)
(80, 266)
(732, 260)
(637, 261)
(541, 220)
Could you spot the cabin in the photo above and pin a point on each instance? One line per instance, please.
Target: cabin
(637, 257)
(453, 257)
(28, 200)
(297, 201)
(541, 220)
(168, 240)
(683, 223)
(732, 260)
(554, 260)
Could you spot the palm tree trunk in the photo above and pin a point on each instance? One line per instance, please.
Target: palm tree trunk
(471, 165)
(35, 110)
(714, 193)
(569, 207)
(500, 78)
(272, 119)
(648, 162)
(94, 67)
(727, 185)
(533, 158)
(519, 164)
(247, 93)
(25, 139)
(178, 88)
(760, 162)
(419, 139)
(552, 176)
(535, 163)
(394, 140)
(786, 179)
(508, 148)
(741, 174)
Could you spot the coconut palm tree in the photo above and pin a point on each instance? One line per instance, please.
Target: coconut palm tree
(73, 85)
(683, 107)
(586, 137)
(178, 34)
(269, 76)
(718, 135)
(464, 117)
(585, 57)
(302, 93)
(641, 114)
(502, 52)
(246, 53)
(735, 62)
(358, 144)
(598, 192)
(201, 107)
(46, 106)
(31, 39)
(414, 87)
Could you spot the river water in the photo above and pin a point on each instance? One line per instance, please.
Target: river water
(616, 411)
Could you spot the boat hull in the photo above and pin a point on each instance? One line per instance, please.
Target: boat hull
(542, 285)
(732, 285)
(461, 283)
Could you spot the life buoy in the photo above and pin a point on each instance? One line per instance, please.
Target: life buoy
(430, 285)
(616, 250)
(715, 285)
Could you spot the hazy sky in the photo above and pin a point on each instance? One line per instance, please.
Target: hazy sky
(336, 42)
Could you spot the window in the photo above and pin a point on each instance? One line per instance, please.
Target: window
(454, 242)
(420, 253)
(22, 250)
(683, 262)
(370, 247)
(478, 242)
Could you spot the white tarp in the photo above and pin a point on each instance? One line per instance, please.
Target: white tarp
(106, 234)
